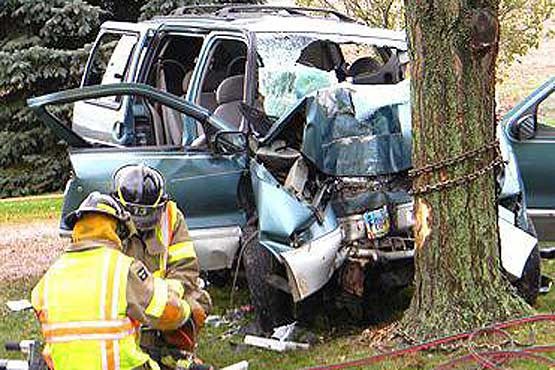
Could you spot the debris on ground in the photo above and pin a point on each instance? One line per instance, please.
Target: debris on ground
(381, 336)
(19, 305)
(232, 317)
(243, 365)
(274, 344)
(285, 332)
(237, 314)
(216, 321)
(294, 333)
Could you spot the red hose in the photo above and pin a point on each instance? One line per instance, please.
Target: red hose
(449, 339)
(479, 356)
(498, 355)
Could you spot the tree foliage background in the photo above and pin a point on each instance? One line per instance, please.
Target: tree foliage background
(40, 51)
(43, 48)
(521, 21)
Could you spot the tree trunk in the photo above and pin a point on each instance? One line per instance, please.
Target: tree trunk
(458, 280)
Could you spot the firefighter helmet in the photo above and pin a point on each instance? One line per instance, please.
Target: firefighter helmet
(141, 191)
(96, 202)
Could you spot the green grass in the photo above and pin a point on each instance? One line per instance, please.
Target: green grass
(331, 348)
(221, 352)
(333, 345)
(16, 326)
(28, 209)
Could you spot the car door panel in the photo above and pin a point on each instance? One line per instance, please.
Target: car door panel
(540, 189)
(203, 185)
(535, 161)
(535, 155)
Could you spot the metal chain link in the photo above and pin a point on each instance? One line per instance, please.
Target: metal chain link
(461, 180)
(454, 160)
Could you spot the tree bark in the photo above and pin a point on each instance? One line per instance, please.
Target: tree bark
(458, 280)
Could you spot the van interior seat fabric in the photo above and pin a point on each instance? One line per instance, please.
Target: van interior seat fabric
(208, 100)
(229, 97)
(186, 81)
(172, 119)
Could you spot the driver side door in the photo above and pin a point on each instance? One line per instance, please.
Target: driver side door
(531, 128)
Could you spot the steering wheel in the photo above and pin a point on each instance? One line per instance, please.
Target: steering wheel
(234, 61)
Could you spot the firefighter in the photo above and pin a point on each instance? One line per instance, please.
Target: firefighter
(92, 300)
(162, 242)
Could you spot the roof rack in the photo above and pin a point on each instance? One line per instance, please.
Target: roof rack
(197, 9)
(228, 10)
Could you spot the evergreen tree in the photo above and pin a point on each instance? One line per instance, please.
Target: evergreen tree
(43, 48)
(39, 53)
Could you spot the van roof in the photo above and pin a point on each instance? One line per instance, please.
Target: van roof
(262, 19)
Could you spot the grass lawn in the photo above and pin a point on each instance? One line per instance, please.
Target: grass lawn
(334, 345)
(24, 210)
(330, 349)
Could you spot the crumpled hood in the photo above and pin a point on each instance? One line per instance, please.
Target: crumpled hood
(350, 131)
(95, 227)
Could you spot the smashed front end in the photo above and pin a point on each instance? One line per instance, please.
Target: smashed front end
(331, 186)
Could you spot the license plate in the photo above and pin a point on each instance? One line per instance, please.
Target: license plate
(377, 223)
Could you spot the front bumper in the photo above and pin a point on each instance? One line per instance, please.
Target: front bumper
(310, 266)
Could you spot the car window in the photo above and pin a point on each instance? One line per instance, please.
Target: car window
(545, 119)
(546, 111)
(355, 51)
(171, 70)
(151, 122)
(110, 61)
(222, 82)
(156, 124)
(292, 66)
(172, 66)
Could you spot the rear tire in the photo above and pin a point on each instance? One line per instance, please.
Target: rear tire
(273, 307)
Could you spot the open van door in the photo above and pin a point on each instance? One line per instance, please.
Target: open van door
(204, 180)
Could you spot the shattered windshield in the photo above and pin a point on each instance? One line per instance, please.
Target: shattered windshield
(292, 66)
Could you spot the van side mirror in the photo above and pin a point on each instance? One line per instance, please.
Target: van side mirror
(524, 128)
(230, 142)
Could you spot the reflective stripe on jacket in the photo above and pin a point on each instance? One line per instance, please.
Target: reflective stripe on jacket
(173, 238)
(81, 304)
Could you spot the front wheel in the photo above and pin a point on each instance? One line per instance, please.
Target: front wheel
(273, 307)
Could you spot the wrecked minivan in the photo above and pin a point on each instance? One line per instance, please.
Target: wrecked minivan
(284, 135)
(333, 200)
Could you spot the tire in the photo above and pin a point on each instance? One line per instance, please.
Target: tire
(528, 286)
(273, 307)
(385, 293)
